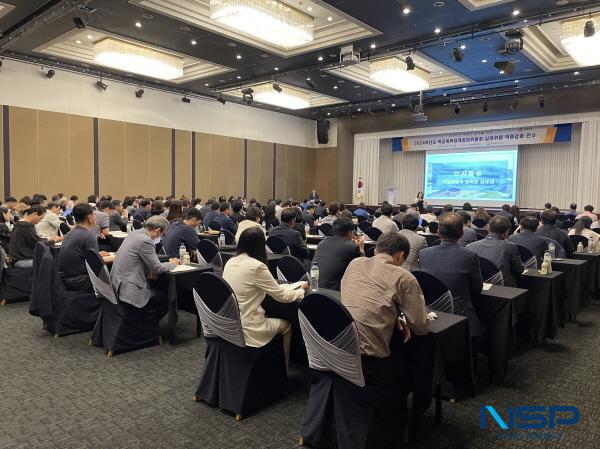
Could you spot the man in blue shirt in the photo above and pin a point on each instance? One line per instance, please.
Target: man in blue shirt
(224, 218)
(361, 211)
(183, 231)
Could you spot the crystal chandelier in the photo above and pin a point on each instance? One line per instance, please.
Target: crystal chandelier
(138, 59)
(392, 72)
(267, 20)
(585, 51)
(288, 98)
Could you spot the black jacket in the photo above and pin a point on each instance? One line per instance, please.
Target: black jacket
(293, 238)
(333, 255)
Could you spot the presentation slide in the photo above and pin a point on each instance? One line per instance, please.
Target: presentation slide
(483, 178)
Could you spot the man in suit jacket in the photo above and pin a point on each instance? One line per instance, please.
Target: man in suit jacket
(456, 267)
(308, 216)
(335, 253)
(292, 237)
(384, 223)
(314, 196)
(136, 262)
(526, 237)
(549, 230)
(504, 212)
(496, 248)
(224, 218)
(469, 234)
(410, 224)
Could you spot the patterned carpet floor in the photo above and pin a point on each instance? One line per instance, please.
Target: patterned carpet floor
(61, 393)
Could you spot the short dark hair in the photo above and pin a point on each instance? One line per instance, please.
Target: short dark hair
(81, 211)
(287, 215)
(589, 208)
(310, 206)
(386, 209)
(333, 208)
(215, 206)
(193, 213)
(529, 223)
(499, 225)
(106, 205)
(391, 243)
(236, 205)
(548, 217)
(429, 209)
(224, 206)
(10, 199)
(466, 217)
(403, 208)
(451, 226)
(252, 243)
(145, 202)
(410, 222)
(38, 210)
(53, 204)
(92, 199)
(342, 226)
(447, 208)
(573, 206)
(253, 213)
(548, 206)
(506, 207)
(35, 201)
(467, 207)
(74, 198)
(116, 203)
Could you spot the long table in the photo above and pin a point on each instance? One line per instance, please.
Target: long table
(593, 271)
(544, 295)
(575, 287)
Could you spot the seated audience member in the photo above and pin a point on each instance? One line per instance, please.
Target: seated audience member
(92, 200)
(71, 259)
(136, 263)
(105, 208)
(469, 234)
(156, 208)
(206, 208)
(572, 212)
(238, 212)
(182, 232)
(278, 208)
(361, 211)
(210, 215)
(410, 224)
(38, 200)
(547, 206)
(176, 211)
(333, 213)
(526, 237)
(445, 209)
(250, 279)
(588, 211)
(551, 231)
(271, 220)
(291, 236)
(376, 291)
(505, 212)
(429, 216)
(299, 226)
(414, 210)
(496, 248)
(49, 225)
(482, 214)
(308, 216)
(142, 213)
(224, 218)
(335, 253)
(10, 203)
(457, 267)
(468, 209)
(24, 238)
(385, 223)
(583, 227)
(252, 220)
(116, 218)
(401, 213)
(5, 229)
(516, 214)
(320, 210)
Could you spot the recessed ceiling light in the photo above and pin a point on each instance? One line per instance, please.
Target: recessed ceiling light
(239, 77)
(238, 56)
(406, 11)
(320, 58)
(138, 24)
(310, 8)
(206, 84)
(439, 4)
(484, 60)
(185, 28)
(438, 30)
(335, 87)
(464, 88)
(276, 69)
(516, 12)
(231, 44)
(89, 36)
(393, 105)
(525, 20)
(359, 109)
(463, 47)
(440, 72)
(516, 81)
(147, 16)
(373, 46)
(329, 19)
(576, 73)
(193, 42)
(78, 42)
(329, 113)
(501, 72)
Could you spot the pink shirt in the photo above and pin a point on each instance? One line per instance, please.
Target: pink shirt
(592, 215)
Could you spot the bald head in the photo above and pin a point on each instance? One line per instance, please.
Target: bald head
(450, 226)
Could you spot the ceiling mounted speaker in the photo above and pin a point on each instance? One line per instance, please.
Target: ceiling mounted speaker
(505, 66)
(323, 131)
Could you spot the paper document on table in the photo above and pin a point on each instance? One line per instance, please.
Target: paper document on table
(119, 234)
(57, 243)
(486, 287)
(182, 268)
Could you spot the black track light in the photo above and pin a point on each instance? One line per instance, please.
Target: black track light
(139, 93)
(541, 101)
(310, 83)
(221, 99)
(277, 87)
(515, 105)
(589, 29)
(410, 64)
(485, 106)
(50, 74)
(79, 23)
(457, 108)
(185, 99)
(457, 54)
(100, 85)
(247, 96)
(370, 111)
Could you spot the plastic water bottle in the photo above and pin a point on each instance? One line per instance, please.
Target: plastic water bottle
(548, 258)
(580, 247)
(314, 277)
(221, 240)
(306, 228)
(264, 224)
(590, 246)
(182, 253)
(552, 249)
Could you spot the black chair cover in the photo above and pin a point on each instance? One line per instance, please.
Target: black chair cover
(290, 269)
(437, 295)
(576, 239)
(432, 239)
(209, 253)
(370, 251)
(433, 227)
(490, 272)
(136, 224)
(364, 225)
(424, 223)
(277, 245)
(64, 228)
(214, 226)
(399, 224)
(229, 237)
(16, 284)
(326, 229)
(373, 233)
(527, 257)
(479, 223)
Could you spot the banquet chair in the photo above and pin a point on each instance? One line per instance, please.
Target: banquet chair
(432, 239)
(576, 239)
(290, 269)
(15, 282)
(63, 312)
(370, 251)
(70, 219)
(342, 411)
(558, 249)
(360, 218)
(64, 228)
(480, 235)
(208, 253)
(136, 224)
(229, 237)
(527, 257)
(399, 224)
(235, 377)
(120, 327)
(490, 272)
(433, 227)
(373, 233)
(364, 225)
(213, 225)
(276, 245)
(479, 223)
(325, 229)
(437, 296)
(424, 223)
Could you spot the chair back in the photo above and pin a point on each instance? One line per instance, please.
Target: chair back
(373, 233)
(370, 251)
(437, 296)
(364, 225)
(218, 309)
(434, 227)
(229, 237)
(70, 219)
(559, 251)
(276, 245)
(432, 239)
(423, 222)
(331, 337)
(214, 226)
(479, 223)
(480, 235)
(527, 257)
(576, 239)
(137, 224)
(290, 269)
(99, 276)
(208, 253)
(325, 229)
(360, 218)
(399, 224)
(490, 272)
(63, 228)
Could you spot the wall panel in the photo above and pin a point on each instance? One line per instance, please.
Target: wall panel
(203, 166)
(219, 171)
(306, 171)
(265, 172)
(159, 147)
(81, 156)
(53, 153)
(137, 159)
(326, 174)
(280, 170)
(291, 181)
(24, 162)
(183, 163)
(235, 163)
(2, 152)
(252, 172)
(111, 158)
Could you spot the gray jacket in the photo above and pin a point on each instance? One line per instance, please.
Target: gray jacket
(135, 259)
(503, 253)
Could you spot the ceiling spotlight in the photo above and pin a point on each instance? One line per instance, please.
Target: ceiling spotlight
(138, 24)
(277, 87)
(457, 108)
(406, 11)
(359, 110)
(589, 29)
(505, 67)
(515, 105)
(50, 74)
(437, 30)
(329, 19)
(221, 99)
(238, 56)
(457, 55)
(247, 96)
(373, 46)
(276, 69)
(485, 106)
(463, 47)
(410, 64)
(484, 61)
(577, 73)
(541, 101)
(79, 23)
(139, 93)
(320, 58)
(185, 99)
(310, 83)
(100, 85)
(516, 12)
(193, 42)
(335, 87)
